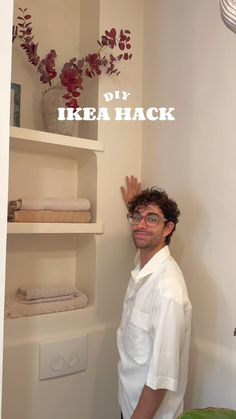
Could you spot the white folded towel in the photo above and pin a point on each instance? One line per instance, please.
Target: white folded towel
(17, 308)
(40, 293)
(57, 204)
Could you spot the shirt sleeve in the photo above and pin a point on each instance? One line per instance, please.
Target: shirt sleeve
(167, 333)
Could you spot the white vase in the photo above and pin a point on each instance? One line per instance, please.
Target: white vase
(52, 99)
(228, 13)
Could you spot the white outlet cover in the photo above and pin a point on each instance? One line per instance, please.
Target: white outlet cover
(59, 358)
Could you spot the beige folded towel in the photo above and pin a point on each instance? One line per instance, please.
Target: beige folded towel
(37, 216)
(45, 300)
(36, 293)
(14, 307)
(57, 204)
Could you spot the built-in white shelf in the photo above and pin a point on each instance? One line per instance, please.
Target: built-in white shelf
(48, 164)
(40, 141)
(61, 325)
(28, 329)
(55, 228)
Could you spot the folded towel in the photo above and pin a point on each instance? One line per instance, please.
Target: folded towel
(14, 307)
(57, 204)
(36, 293)
(45, 300)
(36, 216)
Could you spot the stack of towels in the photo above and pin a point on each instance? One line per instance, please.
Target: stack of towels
(33, 301)
(49, 210)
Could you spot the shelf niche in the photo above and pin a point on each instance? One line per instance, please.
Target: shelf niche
(52, 254)
(51, 261)
(51, 172)
(76, 36)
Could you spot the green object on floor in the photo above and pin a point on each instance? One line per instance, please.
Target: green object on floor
(209, 413)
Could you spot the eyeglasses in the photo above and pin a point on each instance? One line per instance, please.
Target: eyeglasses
(151, 219)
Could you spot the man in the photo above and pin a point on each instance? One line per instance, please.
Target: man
(153, 338)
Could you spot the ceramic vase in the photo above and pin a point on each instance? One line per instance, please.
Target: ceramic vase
(52, 99)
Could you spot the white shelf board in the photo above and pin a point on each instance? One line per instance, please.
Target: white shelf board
(27, 329)
(32, 140)
(55, 228)
(56, 326)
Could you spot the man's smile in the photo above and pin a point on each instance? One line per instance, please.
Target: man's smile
(141, 234)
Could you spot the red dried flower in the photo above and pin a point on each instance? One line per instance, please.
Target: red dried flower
(72, 72)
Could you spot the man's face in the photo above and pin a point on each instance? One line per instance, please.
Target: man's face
(151, 237)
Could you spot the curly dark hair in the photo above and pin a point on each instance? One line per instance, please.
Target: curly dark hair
(158, 197)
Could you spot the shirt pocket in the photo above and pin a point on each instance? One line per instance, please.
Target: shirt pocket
(137, 342)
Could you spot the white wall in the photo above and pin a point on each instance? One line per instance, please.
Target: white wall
(189, 63)
(93, 393)
(122, 156)
(87, 395)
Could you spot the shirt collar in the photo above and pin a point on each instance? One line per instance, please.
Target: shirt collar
(151, 266)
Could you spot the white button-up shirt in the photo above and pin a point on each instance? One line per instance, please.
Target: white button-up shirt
(153, 338)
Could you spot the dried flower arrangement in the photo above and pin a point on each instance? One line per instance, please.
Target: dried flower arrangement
(73, 71)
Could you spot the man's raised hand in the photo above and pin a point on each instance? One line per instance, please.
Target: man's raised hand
(133, 188)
